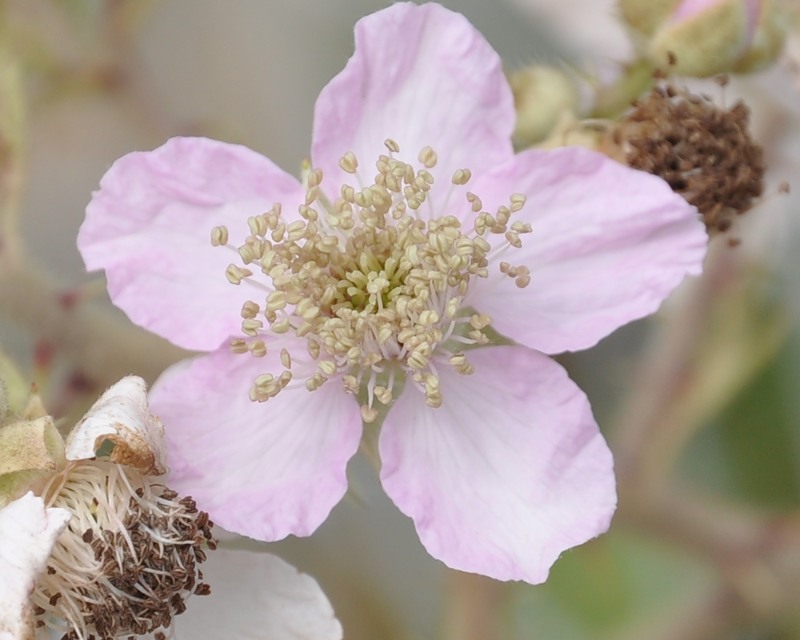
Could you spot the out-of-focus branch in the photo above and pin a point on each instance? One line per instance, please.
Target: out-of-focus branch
(757, 557)
(102, 348)
(709, 616)
(99, 347)
(473, 608)
(12, 148)
(711, 344)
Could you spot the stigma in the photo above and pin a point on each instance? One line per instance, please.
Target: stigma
(375, 281)
(128, 558)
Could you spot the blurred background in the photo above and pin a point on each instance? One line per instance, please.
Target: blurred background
(701, 403)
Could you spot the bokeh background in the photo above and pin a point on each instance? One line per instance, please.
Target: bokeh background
(716, 555)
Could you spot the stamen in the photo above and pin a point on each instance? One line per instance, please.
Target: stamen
(428, 157)
(128, 558)
(461, 177)
(369, 278)
(475, 201)
(349, 163)
(219, 236)
(236, 274)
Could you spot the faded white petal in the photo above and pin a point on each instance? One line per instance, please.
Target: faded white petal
(257, 596)
(28, 531)
(122, 415)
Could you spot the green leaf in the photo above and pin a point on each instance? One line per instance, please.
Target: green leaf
(604, 587)
(751, 450)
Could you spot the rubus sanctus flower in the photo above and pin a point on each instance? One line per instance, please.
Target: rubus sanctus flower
(414, 282)
(106, 550)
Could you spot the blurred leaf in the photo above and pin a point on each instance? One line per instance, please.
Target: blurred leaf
(752, 448)
(82, 13)
(12, 111)
(601, 589)
(15, 389)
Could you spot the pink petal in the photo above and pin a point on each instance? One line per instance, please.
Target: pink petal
(28, 532)
(508, 473)
(149, 227)
(257, 595)
(262, 470)
(609, 244)
(423, 76)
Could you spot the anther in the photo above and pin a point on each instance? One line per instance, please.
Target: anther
(251, 326)
(250, 309)
(219, 236)
(428, 157)
(368, 414)
(313, 179)
(475, 201)
(517, 201)
(258, 348)
(235, 274)
(383, 395)
(513, 239)
(258, 225)
(461, 176)
(461, 365)
(391, 145)
(349, 162)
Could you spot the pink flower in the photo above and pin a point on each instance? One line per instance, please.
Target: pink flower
(390, 302)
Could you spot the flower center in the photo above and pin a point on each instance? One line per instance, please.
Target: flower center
(127, 559)
(375, 282)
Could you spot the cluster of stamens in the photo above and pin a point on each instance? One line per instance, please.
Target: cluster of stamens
(128, 558)
(372, 282)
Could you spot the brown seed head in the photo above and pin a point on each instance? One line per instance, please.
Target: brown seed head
(128, 558)
(703, 151)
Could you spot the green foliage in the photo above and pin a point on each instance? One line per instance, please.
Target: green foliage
(751, 450)
(605, 588)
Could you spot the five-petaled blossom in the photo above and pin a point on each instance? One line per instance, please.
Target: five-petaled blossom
(415, 282)
(94, 545)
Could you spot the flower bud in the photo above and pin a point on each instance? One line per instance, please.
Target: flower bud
(706, 37)
(542, 95)
(30, 450)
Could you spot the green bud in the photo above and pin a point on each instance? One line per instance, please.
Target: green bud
(14, 390)
(30, 450)
(706, 37)
(767, 42)
(542, 96)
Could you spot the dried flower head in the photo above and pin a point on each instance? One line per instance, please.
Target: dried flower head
(127, 559)
(703, 151)
(129, 549)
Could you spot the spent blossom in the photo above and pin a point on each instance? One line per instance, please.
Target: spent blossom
(98, 547)
(414, 281)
